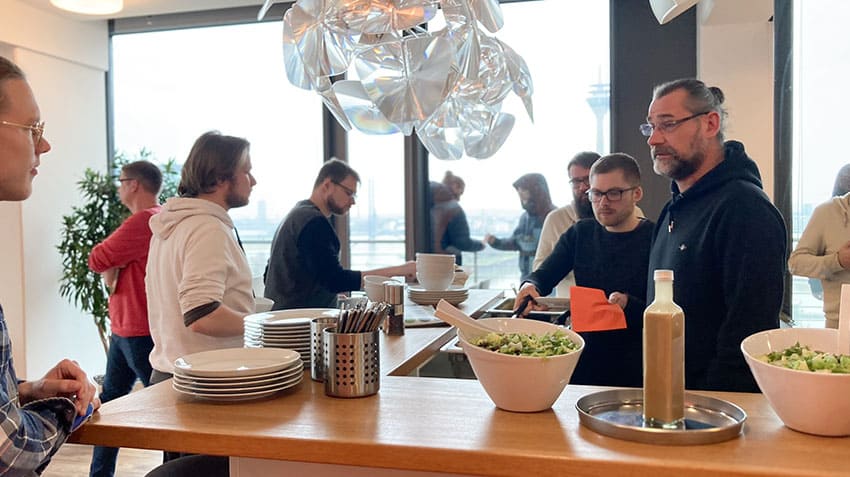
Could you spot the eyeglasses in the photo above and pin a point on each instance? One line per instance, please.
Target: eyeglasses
(577, 182)
(613, 195)
(36, 129)
(667, 126)
(121, 180)
(351, 193)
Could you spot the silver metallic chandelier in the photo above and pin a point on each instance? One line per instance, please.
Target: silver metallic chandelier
(447, 85)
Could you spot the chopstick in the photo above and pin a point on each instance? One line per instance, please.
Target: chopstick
(362, 319)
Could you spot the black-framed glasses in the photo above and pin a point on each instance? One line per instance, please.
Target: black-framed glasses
(36, 129)
(613, 195)
(577, 182)
(122, 180)
(666, 126)
(351, 193)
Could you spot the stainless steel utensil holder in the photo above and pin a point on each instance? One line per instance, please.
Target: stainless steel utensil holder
(352, 361)
(317, 348)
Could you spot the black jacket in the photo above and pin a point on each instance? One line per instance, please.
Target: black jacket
(726, 244)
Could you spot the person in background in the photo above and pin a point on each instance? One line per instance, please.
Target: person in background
(611, 253)
(449, 226)
(121, 258)
(304, 270)
(559, 220)
(823, 251)
(36, 417)
(719, 233)
(534, 196)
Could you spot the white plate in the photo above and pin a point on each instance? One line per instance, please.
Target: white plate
(453, 288)
(279, 316)
(233, 389)
(239, 379)
(213, 383)
(234, 362)
(235, 397)
(260, 332)
(434, 301)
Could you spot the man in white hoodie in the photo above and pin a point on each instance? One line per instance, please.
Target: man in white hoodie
(823, 252)
(198, 280)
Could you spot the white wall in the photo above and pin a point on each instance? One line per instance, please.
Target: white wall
(735, 53)
(65, 62)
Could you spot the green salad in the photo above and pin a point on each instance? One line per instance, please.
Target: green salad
(803, 358)
(524, 344)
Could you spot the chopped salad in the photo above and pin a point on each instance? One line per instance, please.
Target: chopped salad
(803, 358)
(524, 344)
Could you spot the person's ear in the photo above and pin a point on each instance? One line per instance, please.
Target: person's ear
(638, 193)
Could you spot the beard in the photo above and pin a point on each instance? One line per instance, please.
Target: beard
(678, 166)
(234, 200)
(335, 208)
(584, 208)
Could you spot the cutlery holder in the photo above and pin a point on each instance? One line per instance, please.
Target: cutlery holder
(317, 347)
(352, 363)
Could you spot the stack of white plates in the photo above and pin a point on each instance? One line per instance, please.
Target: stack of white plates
(237, 374)
(454, 295)
(288, 329)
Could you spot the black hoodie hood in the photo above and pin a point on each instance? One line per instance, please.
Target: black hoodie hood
(736, 165)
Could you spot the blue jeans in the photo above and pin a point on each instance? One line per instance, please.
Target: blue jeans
(126, 361)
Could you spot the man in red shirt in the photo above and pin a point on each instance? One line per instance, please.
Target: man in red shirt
(122, 259)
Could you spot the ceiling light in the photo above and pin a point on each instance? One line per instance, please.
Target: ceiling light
(90, 7)
(445, 85)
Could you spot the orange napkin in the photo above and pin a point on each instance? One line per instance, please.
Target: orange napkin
(590, 311)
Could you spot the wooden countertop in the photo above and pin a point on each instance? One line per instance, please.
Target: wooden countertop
(445, 425)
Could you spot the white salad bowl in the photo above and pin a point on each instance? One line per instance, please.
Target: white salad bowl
(814, 403)
(522, 383)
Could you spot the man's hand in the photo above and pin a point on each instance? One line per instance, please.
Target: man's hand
(618, 298)
(844, 256)
(488, 239)
(66, 379)
(526, 298)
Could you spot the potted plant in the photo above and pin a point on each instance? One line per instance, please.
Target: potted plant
(88, 224)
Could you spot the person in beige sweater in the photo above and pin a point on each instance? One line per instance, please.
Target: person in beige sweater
(823, 252)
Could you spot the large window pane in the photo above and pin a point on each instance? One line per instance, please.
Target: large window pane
(172, 86)
(821, 47)
(569, 67)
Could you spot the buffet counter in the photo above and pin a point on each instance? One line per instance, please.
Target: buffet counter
(431, 425)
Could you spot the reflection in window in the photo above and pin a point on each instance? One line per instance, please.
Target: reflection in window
(170, 87)
(569, 67)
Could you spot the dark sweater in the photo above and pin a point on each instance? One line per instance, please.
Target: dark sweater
(726, 245)
(304, 269)
(611, 262)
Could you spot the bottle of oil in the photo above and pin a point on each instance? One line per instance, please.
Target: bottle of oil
(664, 357)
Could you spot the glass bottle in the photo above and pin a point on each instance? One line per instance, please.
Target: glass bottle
(664, 357)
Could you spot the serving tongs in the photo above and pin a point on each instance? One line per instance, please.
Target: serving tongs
(471, 329)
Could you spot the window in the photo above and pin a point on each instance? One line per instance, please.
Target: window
(565, 123)
(172, 86)
(820, 41)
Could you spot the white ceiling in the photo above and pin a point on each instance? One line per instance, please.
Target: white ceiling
(136, 8)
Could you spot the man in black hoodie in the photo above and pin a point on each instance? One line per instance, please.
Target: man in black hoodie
(719, 233)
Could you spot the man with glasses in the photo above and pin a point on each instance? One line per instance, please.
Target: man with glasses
(610, 253)
(121, 259)
(559, 220)
(719, 233)
(304, 270)
(37, 416)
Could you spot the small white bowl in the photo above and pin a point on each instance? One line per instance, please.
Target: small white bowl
(373, 285)
(814, 403)
(522, 383)
(262, 304)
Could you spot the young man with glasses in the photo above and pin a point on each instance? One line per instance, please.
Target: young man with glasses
(719, 233)
(559, 220)
(37, 416)
(121, 259)
(610, 253)
(304, 270)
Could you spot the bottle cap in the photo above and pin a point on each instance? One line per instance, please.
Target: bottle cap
(663, 275)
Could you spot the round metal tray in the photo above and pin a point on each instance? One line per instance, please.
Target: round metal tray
(619, 413)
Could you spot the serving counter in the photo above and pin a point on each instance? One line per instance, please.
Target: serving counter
(434, 425)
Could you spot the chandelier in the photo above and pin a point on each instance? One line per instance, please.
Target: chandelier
(446, 85)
